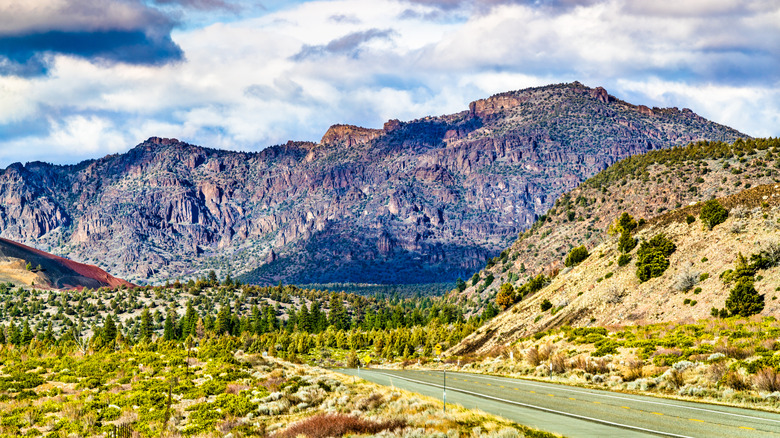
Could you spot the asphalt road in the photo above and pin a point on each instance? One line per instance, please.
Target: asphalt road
(578, 412)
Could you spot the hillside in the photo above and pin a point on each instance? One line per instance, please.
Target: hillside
(49, 271)
(598, 292)
(423, 201)
(644, 186)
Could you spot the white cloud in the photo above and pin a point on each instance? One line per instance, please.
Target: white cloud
(242, 87)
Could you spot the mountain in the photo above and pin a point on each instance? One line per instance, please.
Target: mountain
(665, 191)
(422, 201)
(22, 265)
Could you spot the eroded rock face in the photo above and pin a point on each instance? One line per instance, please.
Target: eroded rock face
(421, 201)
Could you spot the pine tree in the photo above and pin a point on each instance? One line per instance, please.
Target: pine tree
(145, 330)
(169, 332)
(27, 334)
(223, 320)
(109, 330)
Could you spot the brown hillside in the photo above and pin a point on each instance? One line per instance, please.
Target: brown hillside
(599, 293)
(646, 186)
(55, 272)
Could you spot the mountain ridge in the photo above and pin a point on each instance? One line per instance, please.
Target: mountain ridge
(413, 202)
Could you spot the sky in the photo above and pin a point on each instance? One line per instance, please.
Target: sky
(81, 79)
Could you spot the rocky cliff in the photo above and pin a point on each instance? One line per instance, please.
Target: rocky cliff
(421, 201)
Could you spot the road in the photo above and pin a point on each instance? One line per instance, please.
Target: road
(578, 412)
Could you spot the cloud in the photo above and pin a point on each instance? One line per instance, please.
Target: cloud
(204, 5)
(348, 44)
(105, 31)
(256, 78)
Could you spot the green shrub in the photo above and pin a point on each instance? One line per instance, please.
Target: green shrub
(690, 219)
(713, 214)
(626, 243)
(624, 259)
(743, 299)
(546, 305)
(576, 256)
(653, 257)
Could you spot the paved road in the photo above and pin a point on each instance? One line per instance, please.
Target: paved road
(578, 412)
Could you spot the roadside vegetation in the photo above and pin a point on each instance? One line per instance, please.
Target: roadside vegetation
(726, 360)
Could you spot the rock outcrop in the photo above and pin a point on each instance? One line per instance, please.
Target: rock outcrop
(421, 201)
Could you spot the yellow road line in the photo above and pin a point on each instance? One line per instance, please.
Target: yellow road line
(694, 419)
(745, 427)
(572, 398)
(625, 407)
(550, 395)
(656, 413)
(533, 392)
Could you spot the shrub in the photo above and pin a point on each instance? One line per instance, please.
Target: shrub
(736, 381)
(506, 296)
(690, 219)
(767, 379)
(634, 370)
(713, 214)
(546, 305)
(576, 256)
(685, 281)
(626, 243)
(653, 257)
(743, 299)
(330, 425)
(532, 356)
(624, 259)
(675, 378)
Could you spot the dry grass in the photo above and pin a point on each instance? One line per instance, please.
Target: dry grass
(767, 379)
(337, 425)
(532, 356)
(736, 381)
(558, 363)
(634, 370)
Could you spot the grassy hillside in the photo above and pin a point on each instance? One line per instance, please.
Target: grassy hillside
(645, 186)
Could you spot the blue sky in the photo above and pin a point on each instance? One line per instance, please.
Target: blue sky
(84, 78)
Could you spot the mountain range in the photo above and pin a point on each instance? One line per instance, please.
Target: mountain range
(421, 201)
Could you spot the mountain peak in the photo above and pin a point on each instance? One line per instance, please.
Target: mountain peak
(349, 134)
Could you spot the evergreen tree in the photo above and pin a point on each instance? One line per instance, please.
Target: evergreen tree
(169, 332)
(146, 328)
(222, 325)
(109, 330)
(506, 296)
(27, 334)
(338, 316)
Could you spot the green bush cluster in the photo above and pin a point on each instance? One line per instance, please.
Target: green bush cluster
(653, 257)
(713, 214)
(576, 256)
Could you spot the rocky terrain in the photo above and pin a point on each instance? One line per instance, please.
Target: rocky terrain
(421, 201)
(22, 265)
(664, 187)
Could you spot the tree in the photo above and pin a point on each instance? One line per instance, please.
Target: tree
(546, 305)
(712, 214)
(626, 243)
(169, 332)
(576, 256)
(743, 299)
(506, 296)
(109, 330)
(460, 284)
(653, 257)
(223, 320)
(146, 329)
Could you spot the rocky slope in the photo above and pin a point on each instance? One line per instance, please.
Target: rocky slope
(22, 265)
(415, 202)
(664, 187)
